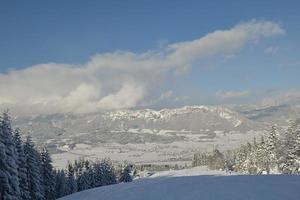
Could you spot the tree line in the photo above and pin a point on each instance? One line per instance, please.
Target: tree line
(276, 152)
(85, 174)
(27, 173)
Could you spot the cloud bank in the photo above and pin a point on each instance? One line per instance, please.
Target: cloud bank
(119, 79)
(232, 94)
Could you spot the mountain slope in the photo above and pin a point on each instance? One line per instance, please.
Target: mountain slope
(196, 119)
(139, 135)
(197, 184)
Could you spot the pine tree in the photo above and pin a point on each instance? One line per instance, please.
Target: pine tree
(263, 160)
(71, 181)
(11, 166)
(297, 144)
(60, 184)
(5, 188)
(289, 147)
(33, 170)
(47, 175)
(127, 174)
(22, 171)
(103, 173)
(272, 146)
(83, 181)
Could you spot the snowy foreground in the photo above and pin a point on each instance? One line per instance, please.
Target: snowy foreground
(198, 183)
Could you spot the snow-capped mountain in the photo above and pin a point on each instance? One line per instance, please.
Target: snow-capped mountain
(146, 135)
(194, 119)
(165, 134)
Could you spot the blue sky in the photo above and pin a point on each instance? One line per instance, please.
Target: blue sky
(74, 32)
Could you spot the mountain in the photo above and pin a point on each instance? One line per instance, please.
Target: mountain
(156, 136)
(280, 114)
(162, 125)
(140, 135)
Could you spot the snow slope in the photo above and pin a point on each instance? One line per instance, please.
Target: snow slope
(198, 183)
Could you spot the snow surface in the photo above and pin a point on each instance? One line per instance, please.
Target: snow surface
(198, 183)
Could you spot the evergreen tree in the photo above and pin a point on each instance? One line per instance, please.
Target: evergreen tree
(5, 189)
(60, 184)
(127, 174)
(83, 181)
(10, 168)
(71, 182)
(22, 171)
(48, 176)
(297, 143)
(103, 173)
(289, 149)
(263, 160)
(272, 146)
(33, 171)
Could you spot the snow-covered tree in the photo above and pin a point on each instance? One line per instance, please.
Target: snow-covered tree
(5, 188)
(272, 145)
(71, 181)
(127, 174)
(262, 157)
(104, 173)
(22, 170)
(33, 171)
(10, 165)
(60, 184)
(84, 181)
(47, 175)
(289, 148)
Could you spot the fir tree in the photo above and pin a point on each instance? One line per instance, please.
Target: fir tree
(33, 170)
(71, 182)
(289, 147)
(127, 174)
(103, 173)
(11, 165)
(48, 176)
(272, 146)
(60, 183)
(5, 189)
(22, 171)
(83, 181)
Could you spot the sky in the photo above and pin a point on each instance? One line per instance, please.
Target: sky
(86, 56)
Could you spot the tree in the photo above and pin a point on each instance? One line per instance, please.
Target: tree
(5, 188)
(33, 170)
(289, 158)
(10, 168)
(83, 181)
(48, 176)
(71, 182)
(297, 143)
(262, 156)
(127, 174)
(22, 171)
(60, 183)
(272, 147)
(103, 173)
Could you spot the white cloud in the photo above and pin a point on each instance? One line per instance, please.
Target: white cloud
(120, 79)
(232, 94)
(280, 97)
(181, 98)
(222, 41)
(166, 95)
(271, 50)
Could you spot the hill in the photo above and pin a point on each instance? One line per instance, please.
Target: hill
(198, 183)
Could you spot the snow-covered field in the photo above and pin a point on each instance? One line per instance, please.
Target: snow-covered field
(198, 183)
(180, 152)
